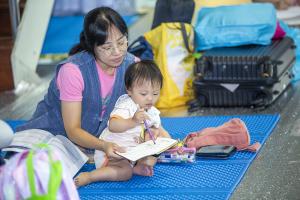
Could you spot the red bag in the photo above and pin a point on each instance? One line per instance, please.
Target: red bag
(234, 132)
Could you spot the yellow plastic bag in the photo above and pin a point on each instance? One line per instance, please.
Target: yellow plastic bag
(175, 60)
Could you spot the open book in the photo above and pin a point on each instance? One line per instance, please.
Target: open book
(70, 154)
(148, 148)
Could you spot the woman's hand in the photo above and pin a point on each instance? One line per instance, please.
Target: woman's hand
(110, 149)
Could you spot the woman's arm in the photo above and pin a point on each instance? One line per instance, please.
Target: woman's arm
(71, 113)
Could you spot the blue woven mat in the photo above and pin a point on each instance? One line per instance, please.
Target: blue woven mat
(63, 33)
(205, 179)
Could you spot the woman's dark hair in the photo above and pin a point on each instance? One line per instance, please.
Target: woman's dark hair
(97, 23)
(145, 70)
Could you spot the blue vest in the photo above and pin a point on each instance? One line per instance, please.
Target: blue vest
(48, 114)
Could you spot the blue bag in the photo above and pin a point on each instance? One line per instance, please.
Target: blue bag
(141, 49)
(226, 26)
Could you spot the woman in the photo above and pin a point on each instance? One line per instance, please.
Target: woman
(82, 95)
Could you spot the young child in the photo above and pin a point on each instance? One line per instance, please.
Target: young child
(143, 82)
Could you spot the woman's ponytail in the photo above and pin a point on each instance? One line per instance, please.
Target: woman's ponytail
(79, 46)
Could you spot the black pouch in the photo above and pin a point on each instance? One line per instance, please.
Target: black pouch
(215, 151)
(173, 11)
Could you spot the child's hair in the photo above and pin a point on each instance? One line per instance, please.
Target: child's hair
(144, 70)
(97, 23)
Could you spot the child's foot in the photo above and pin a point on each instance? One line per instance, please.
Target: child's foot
(82, 179)
(143, 170)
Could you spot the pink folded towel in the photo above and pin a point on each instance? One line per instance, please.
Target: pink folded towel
(234, 132)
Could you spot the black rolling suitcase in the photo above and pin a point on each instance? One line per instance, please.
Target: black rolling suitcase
(251, 64)
(246, 95)
(259, 73)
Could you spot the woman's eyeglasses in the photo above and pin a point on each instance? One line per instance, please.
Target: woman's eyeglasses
(110, 48)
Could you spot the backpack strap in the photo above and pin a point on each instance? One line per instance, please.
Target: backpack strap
(55, 169)
(185, 37)
(30, 174)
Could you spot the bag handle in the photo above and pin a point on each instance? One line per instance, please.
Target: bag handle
(185, 37)
(135, 42)
(55, 178)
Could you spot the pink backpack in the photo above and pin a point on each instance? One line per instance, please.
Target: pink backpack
(234, 132)
(36, 174)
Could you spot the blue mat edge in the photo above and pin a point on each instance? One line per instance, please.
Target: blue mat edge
(14, 123)
(251, 160)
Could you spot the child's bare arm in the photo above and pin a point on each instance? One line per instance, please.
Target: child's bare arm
(118, 124)
(163, 132)
(157, 132)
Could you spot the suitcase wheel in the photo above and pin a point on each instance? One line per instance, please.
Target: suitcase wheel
(196, 104)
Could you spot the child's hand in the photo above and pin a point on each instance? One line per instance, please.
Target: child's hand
(154, 131)
(139, 116)
(110, 149)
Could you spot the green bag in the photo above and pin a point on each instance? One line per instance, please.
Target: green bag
(37, 174)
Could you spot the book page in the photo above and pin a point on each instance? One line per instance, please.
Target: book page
(70, 154)
(148, 148)
(15, 149)
(28, 138)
